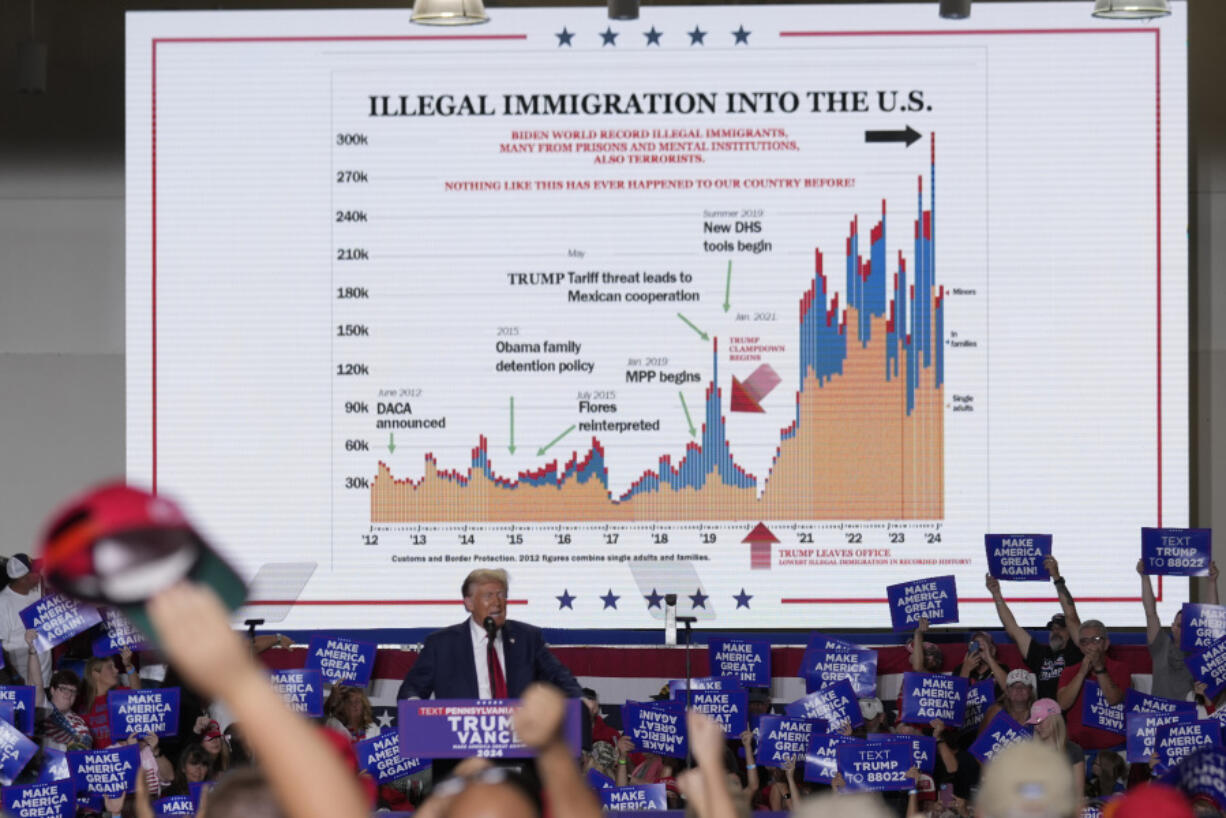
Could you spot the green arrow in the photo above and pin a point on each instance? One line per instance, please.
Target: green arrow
(511, 448)
(705, 337)
(728, 286)
(693, 431)
(391, 441)
(549, 445)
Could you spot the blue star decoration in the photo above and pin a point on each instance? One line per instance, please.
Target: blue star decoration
(742, 599)
(565, 37)
(742, 36)
(609, 36)
(653, 36)
(699, 599)
(653, 599)
(566, 600)
(610, 600)
(696, 36)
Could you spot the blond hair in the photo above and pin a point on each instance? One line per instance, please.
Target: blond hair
(483, 575)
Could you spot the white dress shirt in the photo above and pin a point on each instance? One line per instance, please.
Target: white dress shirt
(480, 638)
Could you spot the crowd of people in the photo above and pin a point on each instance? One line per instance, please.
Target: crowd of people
(271, 761)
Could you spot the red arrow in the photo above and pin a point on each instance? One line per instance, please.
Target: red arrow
(759, 534)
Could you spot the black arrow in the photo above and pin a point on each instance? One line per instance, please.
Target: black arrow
(909, 135)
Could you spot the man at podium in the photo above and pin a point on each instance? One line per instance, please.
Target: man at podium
(486, 656)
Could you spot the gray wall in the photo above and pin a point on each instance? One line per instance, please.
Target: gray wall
(62, 250)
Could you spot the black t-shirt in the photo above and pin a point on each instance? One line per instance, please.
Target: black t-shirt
(1047, 665)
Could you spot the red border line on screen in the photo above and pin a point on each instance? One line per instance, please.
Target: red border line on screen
(251, 602)
(439, 37)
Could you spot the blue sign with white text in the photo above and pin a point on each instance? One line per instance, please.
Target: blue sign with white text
(120, 634)
(1018, 557)
(1202, 625)
(1204, 773)
(878, 765)
(341, 660)
(746, 660)
(22, 699)
(641, 797)
(106, 772)
(57, 619)
(656, 727)
(56, 799)
(979, 697)
(140, 712)
(781, 738)
(934, 598)
(1178, 740)
(824, 668)
(303, 690)
(174, 805)
(1097, 712)
(380, 756)
(676, 686)
(928, 696)
(1177, 552)
(54, 766)
(459, 728)
(728, 707)
(821, 763)
(836, 705)
(1209, 666)
(820, 641)
(1001, 731)
(1137, 702)
(1141, 730)
(923, 748)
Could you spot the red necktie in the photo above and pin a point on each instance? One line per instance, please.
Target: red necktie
(498, 682)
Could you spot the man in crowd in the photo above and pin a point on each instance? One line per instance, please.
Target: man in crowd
(1112, 677)
(487, 656)
(23, 590)
(1172, 678)
(1061, 651)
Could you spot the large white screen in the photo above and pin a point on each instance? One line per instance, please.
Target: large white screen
(545, 294)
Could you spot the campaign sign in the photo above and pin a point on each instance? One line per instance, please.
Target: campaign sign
(1177, 552)
(928, 696)
(459, 728)
(1175, 741)
(644, 796)
(57, 619)
(782, 737)
(979, 697)
(598, 780)
(822, 668)
(22, 699)
(1001, 731)
(1202, 625)
(1142, 732)
(53, 766)
(879, 765)
(303, 690)
(6, 712)
(821, 763)
(139, 712)
(1096, 711)
(705, 683)
(1204, 773)
(656, 727)
(56, 799)
(1209, 667)
(197, 790)
(106, 772)
(1018, 557)
(120, 634)
(923, 749)
(380, 756)
(820, 641)
(1137, 702)
(15, 752)
(728, 707)
(836, 705)
(174, 805)
(935, 598)
(746, 660)
(341, 660)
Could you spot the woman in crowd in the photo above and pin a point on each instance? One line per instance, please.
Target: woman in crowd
(58, 727)
(195, 767)
(347, 710)
(101, 677)
(217, 747)
(1049, 728)
(1107, 775)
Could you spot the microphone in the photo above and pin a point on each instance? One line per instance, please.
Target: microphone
(491, 627)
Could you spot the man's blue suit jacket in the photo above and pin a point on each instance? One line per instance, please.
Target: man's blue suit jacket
(445, 667)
